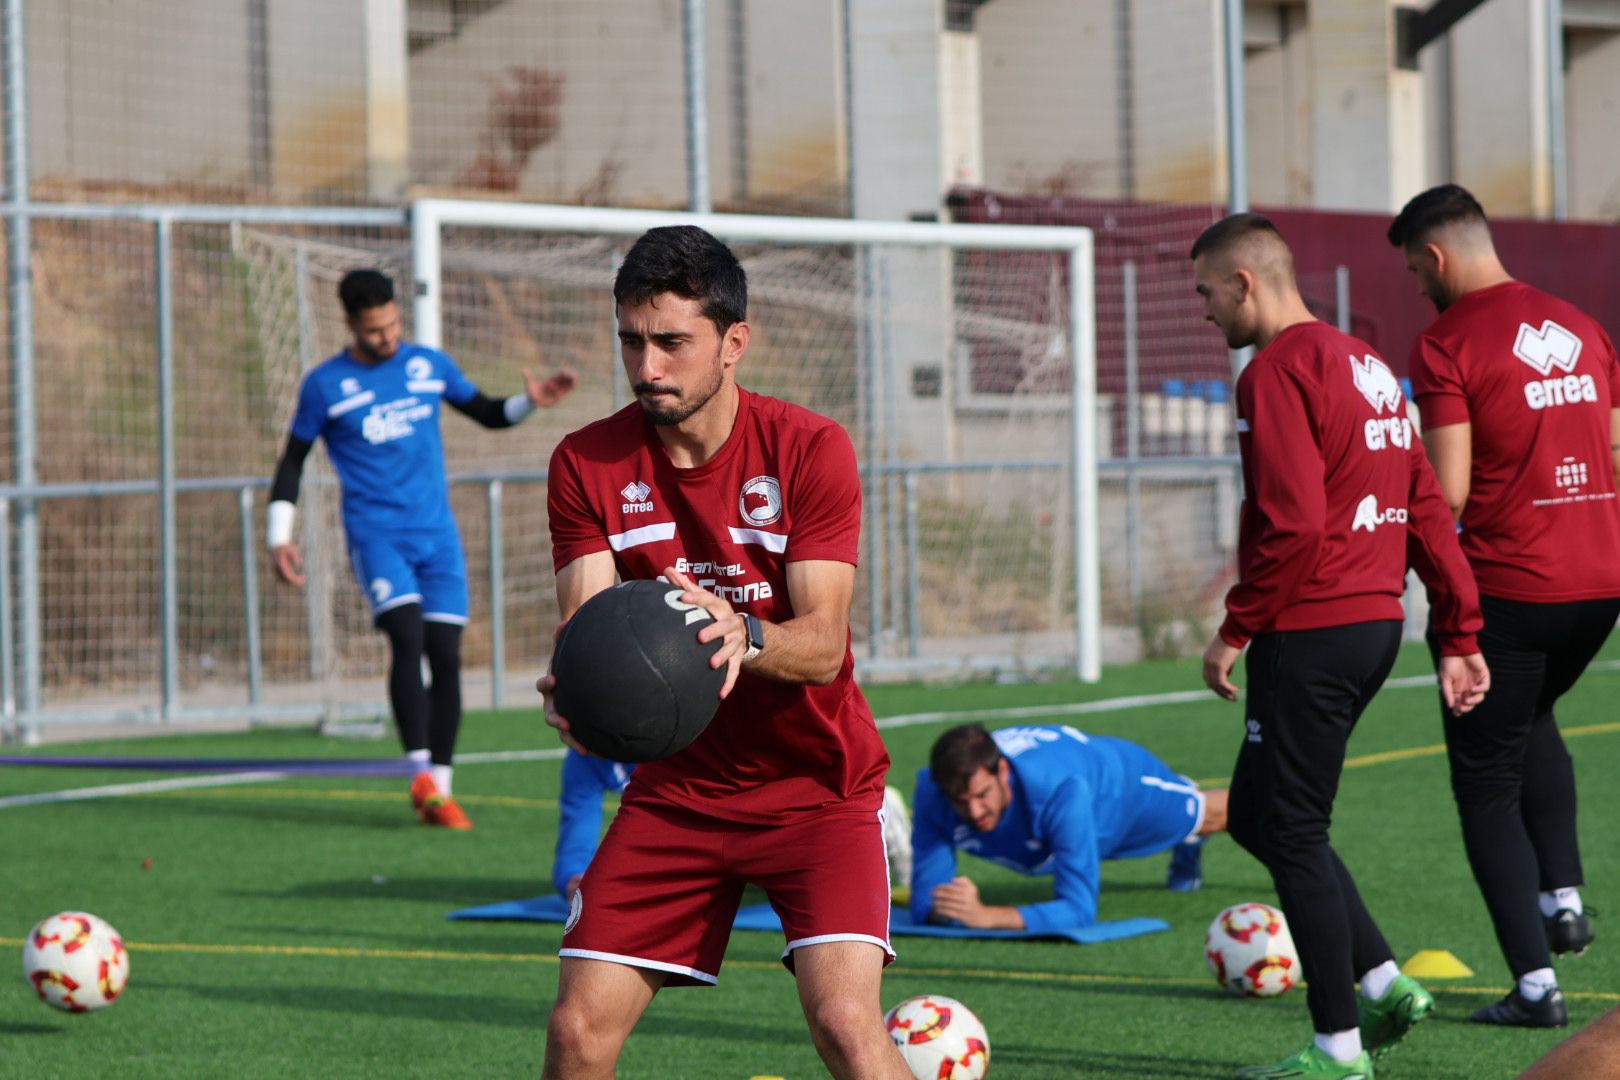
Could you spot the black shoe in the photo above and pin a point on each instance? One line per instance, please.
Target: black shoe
(1568, 932)
(1514, 1011)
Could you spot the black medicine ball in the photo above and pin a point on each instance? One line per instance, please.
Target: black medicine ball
(633, 681)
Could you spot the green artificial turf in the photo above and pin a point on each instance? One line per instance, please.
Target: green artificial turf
(297, 928)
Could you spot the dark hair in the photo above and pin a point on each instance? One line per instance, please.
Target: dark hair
(1439, 206)
(689, 262)
(362, 290)
(958, 754)
(1230, 230)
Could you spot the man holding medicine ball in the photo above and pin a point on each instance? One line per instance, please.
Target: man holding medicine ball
(751, 505)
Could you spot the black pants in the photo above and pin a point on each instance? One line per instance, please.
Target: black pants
(1512, 778)
(428, 717)
(1306, 690)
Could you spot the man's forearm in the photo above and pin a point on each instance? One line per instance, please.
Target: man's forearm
(805, 650)
(993, 917)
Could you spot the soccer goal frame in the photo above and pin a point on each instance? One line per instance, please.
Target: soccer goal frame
(429, 218)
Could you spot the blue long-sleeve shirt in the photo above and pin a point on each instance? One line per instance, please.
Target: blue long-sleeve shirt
(584, 781)
(1076, 800)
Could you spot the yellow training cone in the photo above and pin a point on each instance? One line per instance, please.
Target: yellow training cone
(1436, 964)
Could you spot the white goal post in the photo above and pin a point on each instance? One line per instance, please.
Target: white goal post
(1077, 339)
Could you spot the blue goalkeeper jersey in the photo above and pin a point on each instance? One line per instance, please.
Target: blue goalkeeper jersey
(1077, 799)
(585, 780)
(381, 426)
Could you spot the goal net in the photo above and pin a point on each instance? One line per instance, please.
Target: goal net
(949, 356)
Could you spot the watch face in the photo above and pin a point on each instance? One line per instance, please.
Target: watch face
(756, 632)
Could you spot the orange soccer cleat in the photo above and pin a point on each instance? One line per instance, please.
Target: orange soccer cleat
(434, 808)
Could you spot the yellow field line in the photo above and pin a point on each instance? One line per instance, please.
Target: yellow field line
(1384, 757)
(338, 793)
(1051, 977)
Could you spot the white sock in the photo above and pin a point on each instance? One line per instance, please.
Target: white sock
(1558, 899)
(1340, 1045)
(1376, 983)
(419, 760)
(1535, 985)
(441, 779)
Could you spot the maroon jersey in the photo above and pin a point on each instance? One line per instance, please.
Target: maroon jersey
(784, 488)
(1338, 497)
(1537, 379)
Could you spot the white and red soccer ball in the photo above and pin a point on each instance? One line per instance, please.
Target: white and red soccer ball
(1250, 951)
(939, 1038)
(76, 961)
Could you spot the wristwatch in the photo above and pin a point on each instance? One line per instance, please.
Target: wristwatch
(756, 637)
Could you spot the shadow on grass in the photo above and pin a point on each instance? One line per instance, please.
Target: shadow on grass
(372, 1001)
(329, 813)
(459, 1008)
(31, 1029)
(458, 891)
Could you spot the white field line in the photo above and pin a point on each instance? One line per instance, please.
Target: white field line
(140, 788)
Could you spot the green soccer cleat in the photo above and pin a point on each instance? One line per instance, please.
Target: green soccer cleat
(1386, 1021)
(1311, 1064)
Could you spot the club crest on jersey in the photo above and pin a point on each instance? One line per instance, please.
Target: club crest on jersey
(1377, 383)
(576, 907)
(349, 387)
(418, 367)
(761, 502)
(636, 499)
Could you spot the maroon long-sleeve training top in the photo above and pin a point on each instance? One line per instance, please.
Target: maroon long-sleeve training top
(1339, 497)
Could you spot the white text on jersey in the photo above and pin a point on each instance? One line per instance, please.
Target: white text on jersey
(1386, 431)
(1569, 390)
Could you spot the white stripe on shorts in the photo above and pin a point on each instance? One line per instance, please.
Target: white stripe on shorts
(822, 939)
(636, 961)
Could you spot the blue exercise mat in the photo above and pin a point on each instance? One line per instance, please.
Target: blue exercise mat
(761, 917)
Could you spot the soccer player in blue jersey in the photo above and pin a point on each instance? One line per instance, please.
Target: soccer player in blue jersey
(585, 780)
(1048, 800)
(376, 404)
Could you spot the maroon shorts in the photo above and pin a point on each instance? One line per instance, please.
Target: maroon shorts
(662, 890)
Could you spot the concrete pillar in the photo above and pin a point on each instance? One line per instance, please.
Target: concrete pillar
(1592, 101)
(337, 92)
(1367, 116)
(896, 130)
(1178, 110)
(1277, 74)
(1500, 131)
(962, 117)
(904, 76)
(387, 90)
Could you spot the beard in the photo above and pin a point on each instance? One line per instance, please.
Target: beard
(686, 404)
(376, 356)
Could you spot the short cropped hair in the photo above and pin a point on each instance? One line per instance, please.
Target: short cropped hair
(689, 262)
(1440, 206)
(958, 754)
(1230, 231)
(362, 290)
